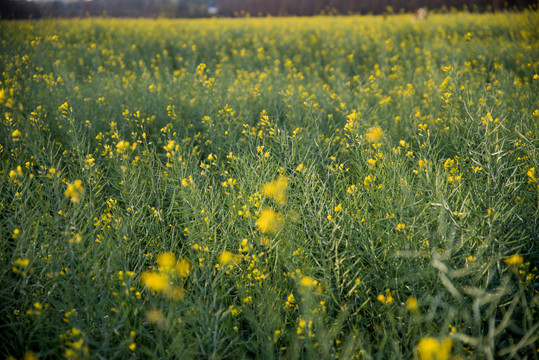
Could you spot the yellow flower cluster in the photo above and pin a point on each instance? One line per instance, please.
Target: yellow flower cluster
(74, 191)
(515, 260)
(270, 221)
(276, 189)
(374, 134)
(169, 269)
(430, 348)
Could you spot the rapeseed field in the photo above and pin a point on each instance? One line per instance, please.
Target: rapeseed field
(351, 187)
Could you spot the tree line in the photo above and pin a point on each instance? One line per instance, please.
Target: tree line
(22, 9)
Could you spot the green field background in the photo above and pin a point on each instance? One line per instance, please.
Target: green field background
(328, 187)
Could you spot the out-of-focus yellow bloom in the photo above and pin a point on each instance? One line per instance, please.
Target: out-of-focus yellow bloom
(74, 191)
(411, 303)
(430, 348)
(307, 282)
(176, 293)
(170, 146)
(368, 179)
(276, 189)
(183, 267)
(30, 355)
(447, 68)
(155, 316)
(76, 239)
(225, 257)
(155, 281)
(22, 262)
(16, 133)
(300, 168)
(515, 260)
(374, 134)
(122, 146)
(15, 173)
(400, 227)
(269, 221)
(531, 176)
(166, 261)
(387, 298)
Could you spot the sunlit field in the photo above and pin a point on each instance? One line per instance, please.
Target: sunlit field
(327, 187)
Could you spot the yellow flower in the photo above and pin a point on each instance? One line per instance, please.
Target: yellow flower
(16, 133)
(74, 191)
(276, 189)
(300, 168)
(170, 145)
(269, 221)
(411, 303)
(225, 257)
(374, 134)
(338, 208)
(515, 260)
(22, 262)
(531, 175)
(400, 227)
(155, 281)
(176, 293)
(166, 261)
(155, 317)
(29, 355)
(427, 348)
(133, 347)
(386, 299)
(183, 267)
(122, 146)
(14, 173)
(306, 281)
(430, 348)
(368, 179)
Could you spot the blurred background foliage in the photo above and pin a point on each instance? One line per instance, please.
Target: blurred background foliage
(22, 9)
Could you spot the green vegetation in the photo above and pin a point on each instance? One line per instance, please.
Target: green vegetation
(351, 187)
